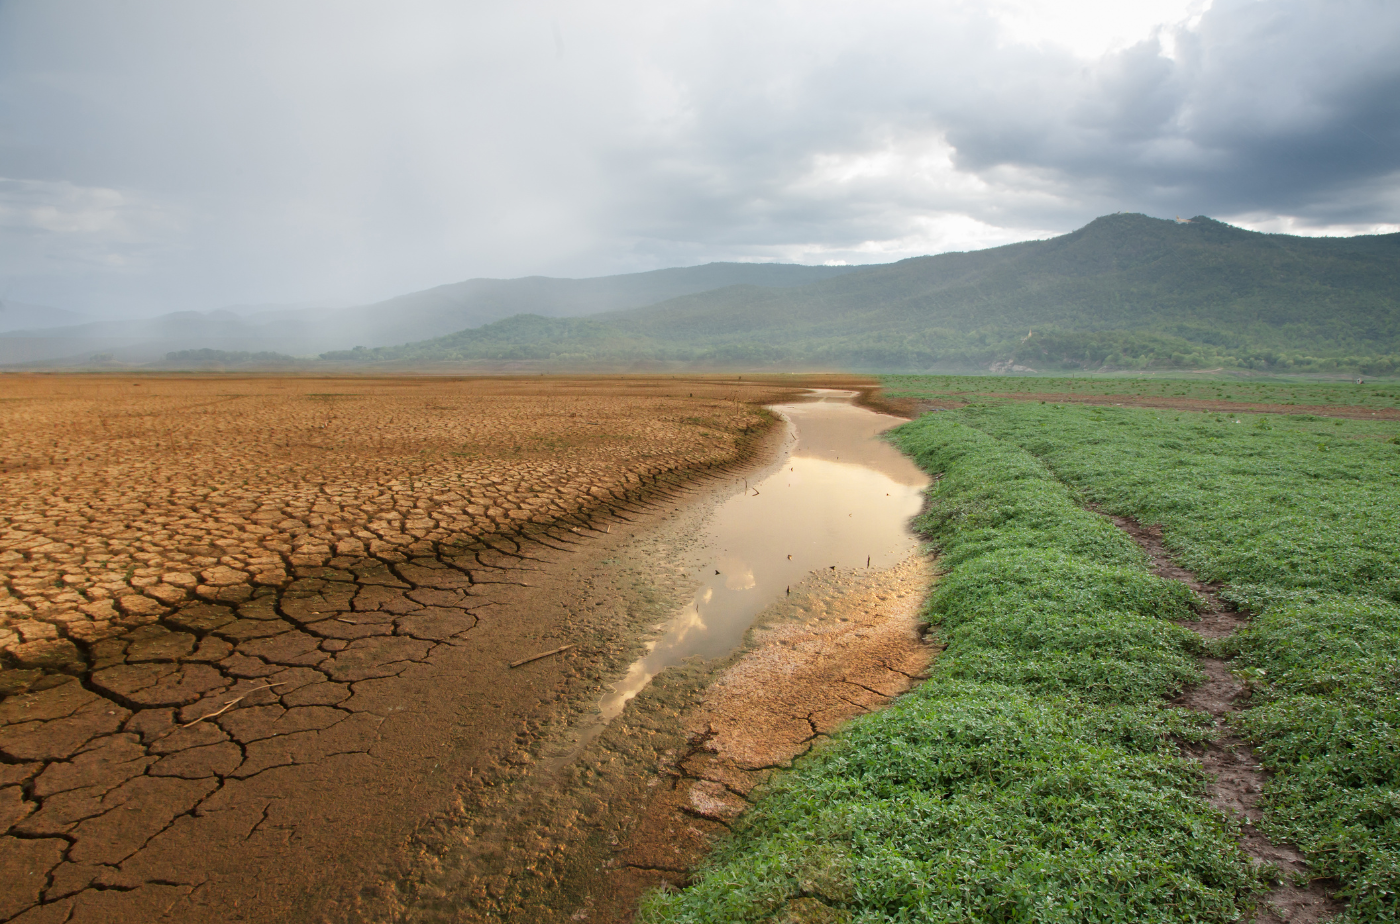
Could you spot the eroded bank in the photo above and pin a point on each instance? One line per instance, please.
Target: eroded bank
(793, 596)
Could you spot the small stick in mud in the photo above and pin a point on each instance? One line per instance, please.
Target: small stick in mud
(543, 654)
(233, 702)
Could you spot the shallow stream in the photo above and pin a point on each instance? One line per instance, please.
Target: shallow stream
(840, 498)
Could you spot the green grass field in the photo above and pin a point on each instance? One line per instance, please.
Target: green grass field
(1375, 394)
(1032, 777)
(1300, 518)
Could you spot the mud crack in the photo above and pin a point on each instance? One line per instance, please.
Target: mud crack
(217, 612)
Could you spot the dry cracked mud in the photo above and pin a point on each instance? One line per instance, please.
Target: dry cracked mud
(256, 630)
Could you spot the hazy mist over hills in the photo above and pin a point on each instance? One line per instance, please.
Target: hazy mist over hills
(1124, 292)
(417, 315)
(19, 316)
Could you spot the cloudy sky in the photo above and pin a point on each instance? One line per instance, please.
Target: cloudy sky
(160, 155)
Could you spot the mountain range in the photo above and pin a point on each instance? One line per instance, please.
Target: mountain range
(1125, 291)
(418, 315)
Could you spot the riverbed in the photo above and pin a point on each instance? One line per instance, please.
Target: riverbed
(841, 498)
(788, 601)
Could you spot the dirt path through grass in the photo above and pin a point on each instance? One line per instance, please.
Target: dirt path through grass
(1237, 779)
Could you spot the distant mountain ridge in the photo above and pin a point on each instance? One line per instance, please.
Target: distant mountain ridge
(1125, 291)
(448, 308)
(415, 316)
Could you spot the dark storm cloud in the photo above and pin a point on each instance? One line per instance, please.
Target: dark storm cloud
(163, 155)
(1260, 108)
(1267, 107)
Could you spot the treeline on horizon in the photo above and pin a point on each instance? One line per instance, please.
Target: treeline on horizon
(1048, 351)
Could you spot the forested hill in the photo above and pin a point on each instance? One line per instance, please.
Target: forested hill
(1125, 291)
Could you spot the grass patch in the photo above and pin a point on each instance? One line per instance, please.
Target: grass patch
(1030, 778)
(1299, 517)
(1370, 393)
(1325, 670)
(1298, 503)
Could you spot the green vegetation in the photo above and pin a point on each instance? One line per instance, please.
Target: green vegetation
(1326, 672)
(1239, 389)
(1300, 517)
(522, 337)
(1031, 778)
(1124, 292)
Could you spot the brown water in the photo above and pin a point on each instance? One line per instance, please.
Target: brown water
(841, 497)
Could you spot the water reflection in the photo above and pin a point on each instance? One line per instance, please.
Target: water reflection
(842, 498)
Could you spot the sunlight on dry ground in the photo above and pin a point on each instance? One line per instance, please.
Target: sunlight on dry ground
(229, 608)
(122, 499)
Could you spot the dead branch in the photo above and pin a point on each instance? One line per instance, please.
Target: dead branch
(543, 654)
(233, 702)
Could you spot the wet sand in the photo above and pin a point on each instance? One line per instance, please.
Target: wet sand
(602, 810)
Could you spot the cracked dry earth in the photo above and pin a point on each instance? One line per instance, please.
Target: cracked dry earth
(253, 630)
(1237, 779)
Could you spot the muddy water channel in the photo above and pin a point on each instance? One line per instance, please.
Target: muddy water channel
(779, 605)
(842, 498)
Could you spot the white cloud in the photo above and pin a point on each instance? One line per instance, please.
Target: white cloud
(1092, 28)
(1293, 224)
(264, 151)
(57, 226)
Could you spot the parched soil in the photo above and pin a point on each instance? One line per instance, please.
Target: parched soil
(1237, 779)
(255, 631)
